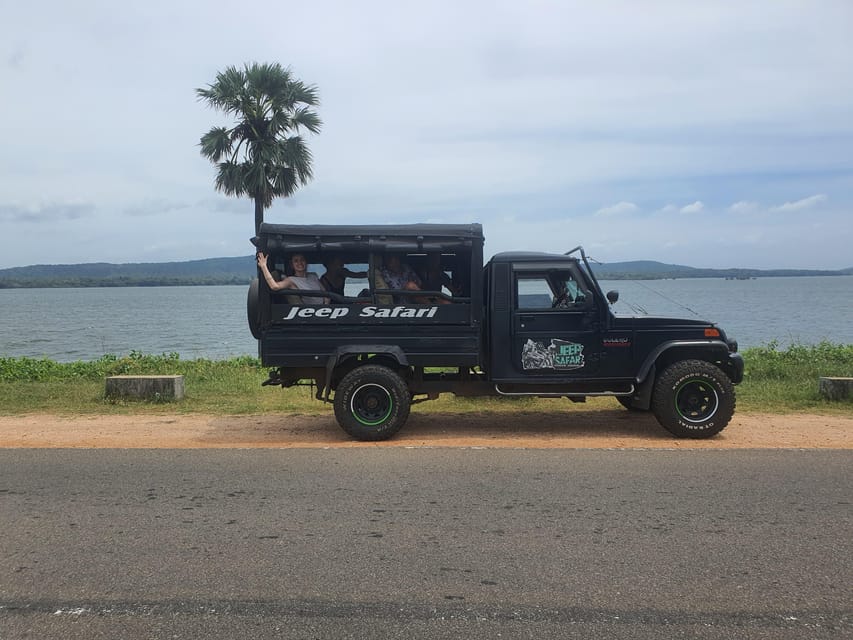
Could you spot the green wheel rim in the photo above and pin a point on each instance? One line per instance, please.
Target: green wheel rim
(371, 404)
(696, 401)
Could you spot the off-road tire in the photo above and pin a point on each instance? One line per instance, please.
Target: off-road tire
(372, 402)
(693, 399)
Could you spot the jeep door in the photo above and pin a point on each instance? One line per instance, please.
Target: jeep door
(556, 328)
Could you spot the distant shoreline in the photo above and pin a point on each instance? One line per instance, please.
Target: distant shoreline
(240, 271)
(213, 282)
(91, 284)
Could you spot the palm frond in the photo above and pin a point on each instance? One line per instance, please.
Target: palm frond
(304, 117)
(296, 155)
(284, 181)
(229, 179)
(216, 143)
(305, 94)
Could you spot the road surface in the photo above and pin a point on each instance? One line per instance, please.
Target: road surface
(425, 543)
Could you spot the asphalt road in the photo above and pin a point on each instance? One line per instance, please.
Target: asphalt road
(425, 543)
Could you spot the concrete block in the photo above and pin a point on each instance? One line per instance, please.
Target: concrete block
(162, 388)
(836, 388)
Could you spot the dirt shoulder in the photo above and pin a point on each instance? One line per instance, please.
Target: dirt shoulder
(615, 429)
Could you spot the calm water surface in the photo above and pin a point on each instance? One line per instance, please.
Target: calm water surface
(803, 310)
(210, 322)
(84, 324)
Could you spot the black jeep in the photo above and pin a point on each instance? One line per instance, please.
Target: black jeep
(525, 324)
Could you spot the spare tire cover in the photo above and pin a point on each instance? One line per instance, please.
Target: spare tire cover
(253, 309)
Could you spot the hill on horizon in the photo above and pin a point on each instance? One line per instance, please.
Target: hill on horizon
(208, 271)
(241, 270)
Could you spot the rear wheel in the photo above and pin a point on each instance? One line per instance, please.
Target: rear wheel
(372, 403)
(693, 399)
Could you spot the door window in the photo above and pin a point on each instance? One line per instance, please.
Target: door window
(552, 290)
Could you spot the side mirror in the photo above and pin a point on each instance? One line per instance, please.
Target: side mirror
(612, 296)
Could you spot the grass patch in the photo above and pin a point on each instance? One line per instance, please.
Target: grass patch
(779, 381)
(787, 380)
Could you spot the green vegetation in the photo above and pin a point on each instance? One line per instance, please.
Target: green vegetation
(217, 386)
(779, 381)
(787, 380)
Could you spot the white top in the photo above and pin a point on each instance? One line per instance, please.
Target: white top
(309, 282)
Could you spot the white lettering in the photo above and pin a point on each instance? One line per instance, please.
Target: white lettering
(426, 313)
(396, 312)
(320, 312)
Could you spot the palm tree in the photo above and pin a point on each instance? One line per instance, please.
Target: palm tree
(262, 155)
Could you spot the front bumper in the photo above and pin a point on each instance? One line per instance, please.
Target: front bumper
(735, 369)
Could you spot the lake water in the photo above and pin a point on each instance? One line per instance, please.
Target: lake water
(210, 322)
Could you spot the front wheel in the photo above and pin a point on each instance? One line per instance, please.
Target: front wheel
(693, 399)
(372, 403)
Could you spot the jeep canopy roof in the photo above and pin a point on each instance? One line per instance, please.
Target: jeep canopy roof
(376, 238)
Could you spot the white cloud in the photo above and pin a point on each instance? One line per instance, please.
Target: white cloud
(802, 205)
(620, 208)
(744, 206)
(696, 207)
(45, 213)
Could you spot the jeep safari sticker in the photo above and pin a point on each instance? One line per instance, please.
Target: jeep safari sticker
(560, 355)
(334, 313)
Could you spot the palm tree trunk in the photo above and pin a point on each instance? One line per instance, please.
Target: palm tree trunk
(259, 214)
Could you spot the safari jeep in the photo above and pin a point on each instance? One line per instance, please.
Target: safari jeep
(525, 324)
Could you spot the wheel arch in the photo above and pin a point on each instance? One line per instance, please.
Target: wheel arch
(667, 353)
(348, 357)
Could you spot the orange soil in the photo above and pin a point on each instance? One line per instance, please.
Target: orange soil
(616, 429)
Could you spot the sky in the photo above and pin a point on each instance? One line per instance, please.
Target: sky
(709, 134)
